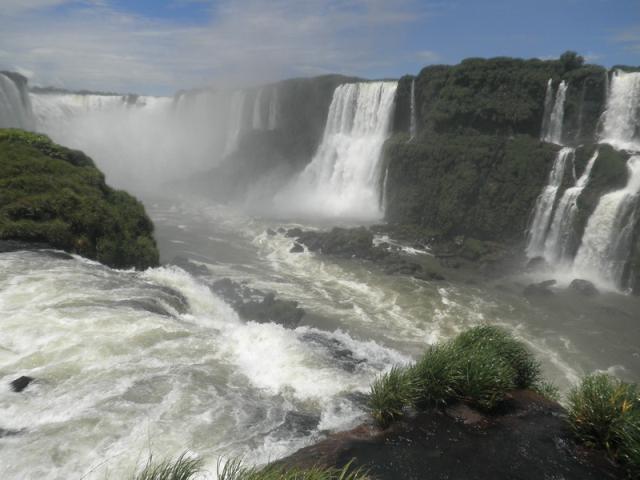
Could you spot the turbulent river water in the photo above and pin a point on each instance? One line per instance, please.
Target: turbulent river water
(126, 367)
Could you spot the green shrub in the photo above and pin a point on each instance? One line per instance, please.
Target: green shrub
(183, 468)
(391, 393)
(605, 412)
(234, 470)
(479, 367)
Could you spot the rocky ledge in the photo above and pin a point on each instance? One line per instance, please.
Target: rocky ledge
(527, 440)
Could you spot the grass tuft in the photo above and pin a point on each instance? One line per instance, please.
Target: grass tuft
(183, 468)
(235, 470)
(604, 412)
(479, 366)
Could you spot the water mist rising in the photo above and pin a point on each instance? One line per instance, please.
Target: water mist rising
(343, 179)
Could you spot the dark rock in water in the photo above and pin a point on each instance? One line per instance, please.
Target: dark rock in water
(297, 248)
(343, 356)
(537, 264)
(539, 289)
(268, 309)
(19, 384)
(584, 287)
(294, 232)
(8, 433)
(190, 266)
(529, 441)
(281, 230)
(301, 423)
(147, 304)
(174, 298)
(271, 232)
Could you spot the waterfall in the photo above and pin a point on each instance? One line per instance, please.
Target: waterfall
(236, 124)
(274, 105)
(343, 178)
(257, 111)
(557, 246)
(552, 130)
(621, 124)
(548, 107)
(383, 200)
(606, 243)
(413, 127)
(545, 203)
(15, 105)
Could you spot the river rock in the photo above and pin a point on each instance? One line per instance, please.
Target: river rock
(540, 289)
(297, 248)
(20, 383)
(271, 232)
(584, 287)
(537, 264)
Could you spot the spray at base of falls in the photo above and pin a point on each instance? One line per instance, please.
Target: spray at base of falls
(343, 179)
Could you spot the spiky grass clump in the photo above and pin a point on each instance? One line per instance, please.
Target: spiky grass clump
(235, 470)
(391, 393)
(479, 367)
(605, 412)
(513, 351)
(183, 468)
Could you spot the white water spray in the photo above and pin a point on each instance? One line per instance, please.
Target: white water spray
(621, 127)
(236, 121)
(413, 127)
(606, 242)
(15, 106)
(274, 109)
(545, 203)
(343, 179)
(558, 243)
(552, 129)
(257, 123)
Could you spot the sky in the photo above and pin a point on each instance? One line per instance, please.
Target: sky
(161, 46)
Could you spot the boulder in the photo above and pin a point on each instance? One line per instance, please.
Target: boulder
(540, 289)
(20, 383)
(537, 264)
(271, 232)
(583, 287)
(297, 248)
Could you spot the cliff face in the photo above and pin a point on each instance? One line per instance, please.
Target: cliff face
(56, 196)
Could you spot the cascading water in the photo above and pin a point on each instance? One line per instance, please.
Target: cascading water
(621, 127)
(557, 246)
(552, 128)
(274, 105)
(548, 106)
(545, 203)
(343, 179)
(236, 121)
(413, 123)
(15, 106)
(257, 123)
(606, 242)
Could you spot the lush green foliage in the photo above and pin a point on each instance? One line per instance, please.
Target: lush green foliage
(235, 470)
(479, 186)
(605, 412)
(479, 367)
(57, 196)
(183, 468)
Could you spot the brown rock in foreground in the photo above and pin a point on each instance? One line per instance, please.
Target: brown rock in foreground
(529, 440)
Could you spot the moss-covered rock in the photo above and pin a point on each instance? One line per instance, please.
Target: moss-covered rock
(54, 195)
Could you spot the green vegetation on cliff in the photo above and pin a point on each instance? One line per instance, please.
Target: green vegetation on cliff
(481, 186)
(54, 195)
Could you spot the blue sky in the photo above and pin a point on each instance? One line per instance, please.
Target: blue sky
(160, 46)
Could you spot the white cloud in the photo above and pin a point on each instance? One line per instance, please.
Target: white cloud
(97, 47)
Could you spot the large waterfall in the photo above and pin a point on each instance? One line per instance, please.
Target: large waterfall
(343, 179)
(256, 121)
(236, 121)
(553, 120)
(15, 106)
(607, 239)
(545, 203)
(621, 127)
(561, 236)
